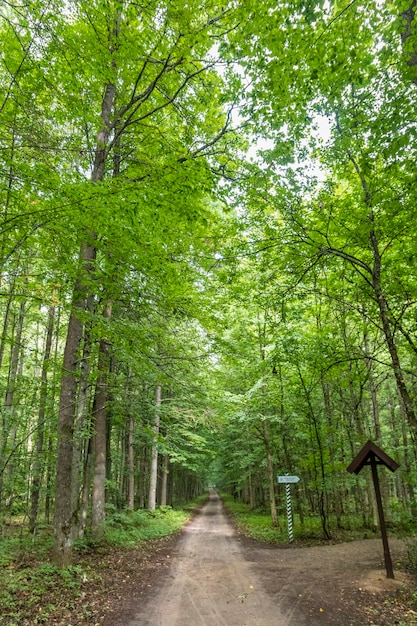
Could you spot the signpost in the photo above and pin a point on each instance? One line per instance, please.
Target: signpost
(371, 455)
(287, 480)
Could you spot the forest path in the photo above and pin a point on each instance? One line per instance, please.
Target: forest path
(210, 582)
(211, 576)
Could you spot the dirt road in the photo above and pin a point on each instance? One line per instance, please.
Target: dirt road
(210, 582)
(213, 577)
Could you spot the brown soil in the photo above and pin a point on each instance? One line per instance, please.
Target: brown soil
(212, 576)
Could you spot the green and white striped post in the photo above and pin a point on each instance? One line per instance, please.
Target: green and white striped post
(287, 480)
(289, 513)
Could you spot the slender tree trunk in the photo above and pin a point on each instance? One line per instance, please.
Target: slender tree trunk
(252, 497)
(409, 459)
(332, 446)
(14, 423)
(164, 486)
(380, 297)
(131, 503)
(81, 426)
(122, 445)
(86, 487)
(38, 464)
(48, 481)
(377, 434)
(50, 464)
(100, 439)
(265, 431)
(373, 391)
(7, 424)
(321, 488)
(270, 474)
(142, 477)
(6, 321)
(154, 455)
(389, 335)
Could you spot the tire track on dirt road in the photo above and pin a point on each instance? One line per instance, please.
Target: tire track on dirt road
(210, 583)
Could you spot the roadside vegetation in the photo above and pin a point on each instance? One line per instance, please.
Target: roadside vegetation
(207, 273)
(257, 523)
(35, 591)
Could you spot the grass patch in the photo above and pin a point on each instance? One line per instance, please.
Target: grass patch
(254, 523)
(193, 506)
(258, 524)
(130, 528)
(33, 591)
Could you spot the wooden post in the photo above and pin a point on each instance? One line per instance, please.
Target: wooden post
(387, 555)
(371, 455)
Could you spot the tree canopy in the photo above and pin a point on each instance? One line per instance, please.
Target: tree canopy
(207, 253)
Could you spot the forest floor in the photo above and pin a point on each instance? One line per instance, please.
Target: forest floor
(213, 576)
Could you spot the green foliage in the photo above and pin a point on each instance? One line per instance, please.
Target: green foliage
(246, 288)
(257, 524)
(28, 577)
(129, 528)
(26, 581)
(412, 554)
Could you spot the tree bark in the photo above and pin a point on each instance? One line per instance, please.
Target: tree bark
(82, 448)
(154, 455)
(6, 321)
(131, 504)
(389, 335)
(100, 439)
(375, 282)
(270, 473)
(64, 507)
(409, 30)
(164, 486)
(40, 431)
(8, 427)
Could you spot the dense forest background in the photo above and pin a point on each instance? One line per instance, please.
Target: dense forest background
(208, 255)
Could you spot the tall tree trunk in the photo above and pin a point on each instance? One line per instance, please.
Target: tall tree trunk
(373, 391)
(389, 335)
(375, 273)
(270, 474)
(40, 430)
(86, 486)
(252, 497)
(50, 465)
(7, 425)
(328, 411)
(64, 513)
(82, 445)
(164, 486)
(131, 502)
(6, 321)
(377, 434)
(64, 491)
(100, 439)
(154, 455)
(320, 474)
(142, 477)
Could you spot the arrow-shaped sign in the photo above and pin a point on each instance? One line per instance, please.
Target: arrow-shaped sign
(288, 479)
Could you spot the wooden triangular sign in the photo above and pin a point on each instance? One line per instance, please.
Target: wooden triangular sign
(369, 450)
